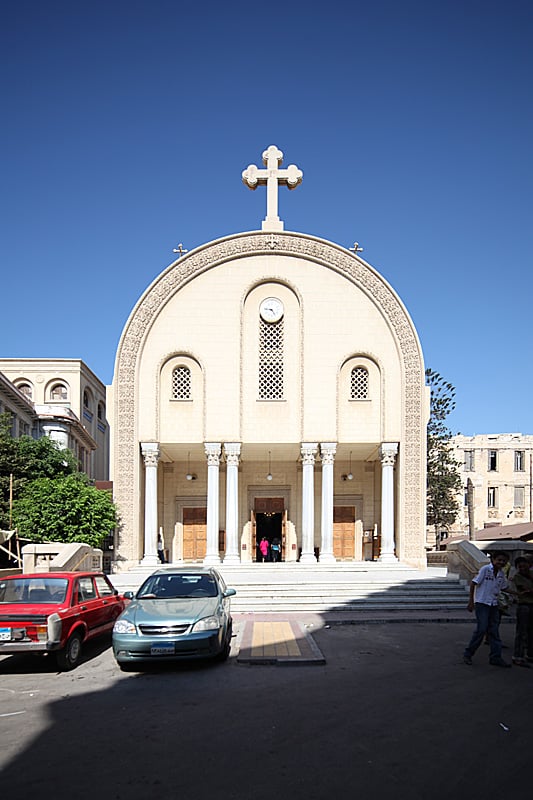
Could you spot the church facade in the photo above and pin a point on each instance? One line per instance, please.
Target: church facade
(269, 385)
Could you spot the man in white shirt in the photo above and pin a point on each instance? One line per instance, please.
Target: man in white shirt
(484, 591)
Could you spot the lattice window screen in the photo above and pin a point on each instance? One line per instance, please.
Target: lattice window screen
(181, 383)
(270, 360)
(359, 384)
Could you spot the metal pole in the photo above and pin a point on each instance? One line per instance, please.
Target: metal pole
(11, 501)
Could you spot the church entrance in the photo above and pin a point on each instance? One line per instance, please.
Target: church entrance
(269, 522)
(194, 533)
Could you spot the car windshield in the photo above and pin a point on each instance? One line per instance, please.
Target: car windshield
(170, 587)
(33, 590)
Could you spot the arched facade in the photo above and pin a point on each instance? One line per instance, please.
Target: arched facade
(270, 383)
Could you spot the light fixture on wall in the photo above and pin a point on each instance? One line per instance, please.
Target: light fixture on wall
(349, 475)
(191, 476)
(269, 476)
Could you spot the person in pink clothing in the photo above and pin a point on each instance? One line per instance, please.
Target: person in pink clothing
(263, 548)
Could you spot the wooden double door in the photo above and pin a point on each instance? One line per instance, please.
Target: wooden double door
(194, 533)
(344, 533)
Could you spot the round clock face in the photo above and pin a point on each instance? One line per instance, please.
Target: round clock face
(271, 309)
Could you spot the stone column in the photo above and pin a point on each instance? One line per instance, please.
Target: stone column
(150, 453)
(327, 451)
(212, 451)
(308, 503)
(232, 452)
(387, 453)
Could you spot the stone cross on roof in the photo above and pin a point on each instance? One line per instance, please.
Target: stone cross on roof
(271, 177)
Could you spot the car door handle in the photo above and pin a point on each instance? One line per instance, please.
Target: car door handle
(83, 608)
(104, 602)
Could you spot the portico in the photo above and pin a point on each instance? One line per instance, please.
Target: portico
(270, 383)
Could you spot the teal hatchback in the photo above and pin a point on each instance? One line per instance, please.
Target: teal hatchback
(177, 614)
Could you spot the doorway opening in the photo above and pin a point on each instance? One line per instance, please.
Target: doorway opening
(269, 521)
(269, 526)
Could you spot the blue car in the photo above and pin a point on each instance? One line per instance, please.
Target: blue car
(177, 614)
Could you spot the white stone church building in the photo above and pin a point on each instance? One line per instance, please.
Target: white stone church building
(269, 384)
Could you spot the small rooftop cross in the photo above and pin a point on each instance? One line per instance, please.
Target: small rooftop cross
(270, 177)
(356, 249)
(180, 249)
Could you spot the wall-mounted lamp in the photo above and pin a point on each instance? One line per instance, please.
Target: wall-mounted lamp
(269, 476)
(191, 476)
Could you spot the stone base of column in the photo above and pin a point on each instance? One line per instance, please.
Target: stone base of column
(231, 558)
(150, 561)
(211, 560)
(308, 558)
(327, 558)
(387, 558)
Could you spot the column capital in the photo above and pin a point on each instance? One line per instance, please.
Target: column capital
(387, 453)
(212, 451)
(327, 452)
(151, 453)
(309, 451)
(232, 451)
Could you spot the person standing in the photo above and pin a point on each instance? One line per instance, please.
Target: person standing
(483, 599)
(523, 585)
(161, 548)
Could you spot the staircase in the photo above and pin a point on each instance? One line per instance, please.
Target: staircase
(346, 590)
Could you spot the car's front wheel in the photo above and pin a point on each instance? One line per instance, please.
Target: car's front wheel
(224, 653)
(69, 657)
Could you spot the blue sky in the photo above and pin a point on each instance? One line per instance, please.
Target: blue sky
(126, 126)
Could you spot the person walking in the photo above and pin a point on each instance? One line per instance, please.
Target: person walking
(263, 548)
(523, 586)
(483, 599)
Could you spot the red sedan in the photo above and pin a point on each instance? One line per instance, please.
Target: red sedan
(56, 612)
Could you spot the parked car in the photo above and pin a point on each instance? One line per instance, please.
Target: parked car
(55, 612)
(176, 614)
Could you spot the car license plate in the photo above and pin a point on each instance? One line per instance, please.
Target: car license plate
(5, 634)
(162, 649)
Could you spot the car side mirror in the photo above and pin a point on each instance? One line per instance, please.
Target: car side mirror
(229, 593)
(128, 595)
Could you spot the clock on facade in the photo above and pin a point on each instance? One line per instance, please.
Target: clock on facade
(271, 309)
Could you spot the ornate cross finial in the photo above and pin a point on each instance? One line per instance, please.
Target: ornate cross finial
(180, 249)
(356, 249)
(271, 177)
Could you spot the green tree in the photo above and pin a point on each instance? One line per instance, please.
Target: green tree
(26, 459)
(64, 509)
(443, 477)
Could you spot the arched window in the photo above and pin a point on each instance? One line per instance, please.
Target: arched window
(181, 383)
(359, 384)
(271, 360)
(26, 389)
(87, 400)
(101, 412)
(58, 392)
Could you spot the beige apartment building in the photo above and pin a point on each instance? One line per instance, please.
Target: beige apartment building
(500, 468)
(69, 402)
(269, 384)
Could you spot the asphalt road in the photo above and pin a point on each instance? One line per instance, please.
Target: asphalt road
(394, 711)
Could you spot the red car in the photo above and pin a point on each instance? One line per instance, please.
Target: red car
(56, 612)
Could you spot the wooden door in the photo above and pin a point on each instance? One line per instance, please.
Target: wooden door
(344, 532)
(194, 533)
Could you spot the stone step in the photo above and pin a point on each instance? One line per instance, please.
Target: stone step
(358, 589)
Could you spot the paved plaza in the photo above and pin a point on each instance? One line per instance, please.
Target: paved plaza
(390, 710)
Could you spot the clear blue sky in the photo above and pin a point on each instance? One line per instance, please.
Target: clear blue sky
(126, 125)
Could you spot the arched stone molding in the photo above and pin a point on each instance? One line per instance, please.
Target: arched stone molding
(411, 513)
